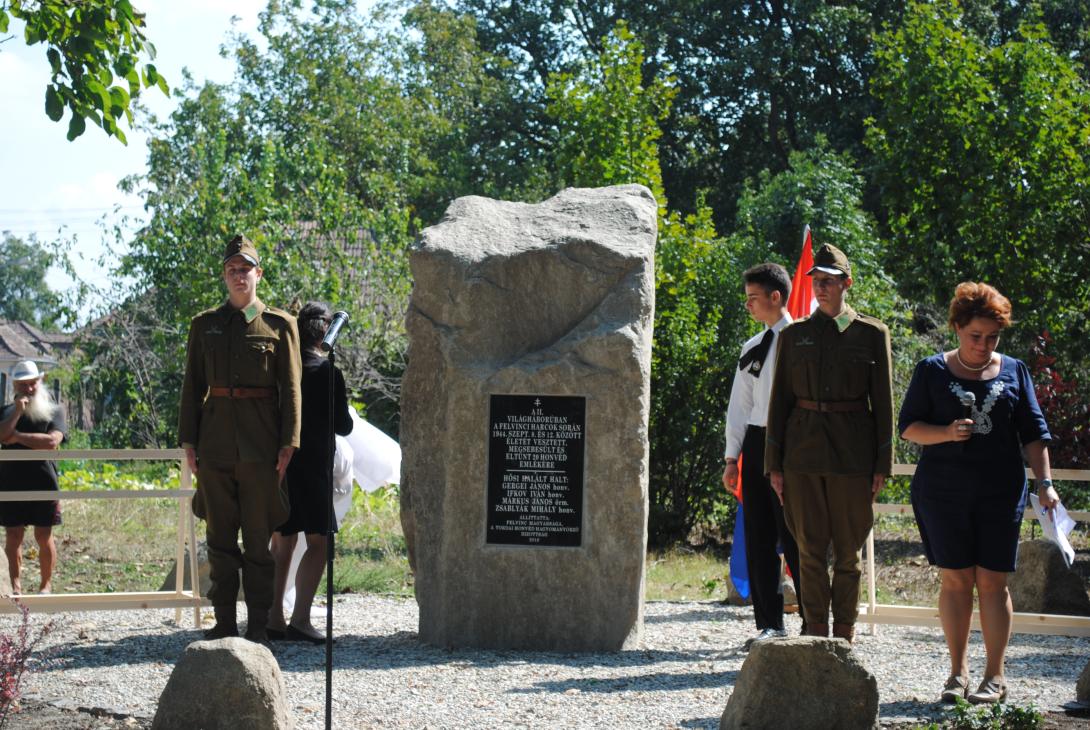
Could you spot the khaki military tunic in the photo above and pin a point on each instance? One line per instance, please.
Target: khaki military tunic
(820, 359)
(830, 430)
(254, 348)
(238, 439)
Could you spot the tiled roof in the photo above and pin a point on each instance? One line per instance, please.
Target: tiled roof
(21, 341)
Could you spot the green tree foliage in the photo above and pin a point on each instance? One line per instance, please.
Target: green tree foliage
(608, 119)
(700, 324)
(983, 164)
(475, 141)
(26, 296)
(753, 81)
(94, 49)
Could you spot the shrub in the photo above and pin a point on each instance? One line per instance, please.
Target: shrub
(14, 653)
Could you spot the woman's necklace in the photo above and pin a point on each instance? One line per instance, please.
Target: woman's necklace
(957, 354)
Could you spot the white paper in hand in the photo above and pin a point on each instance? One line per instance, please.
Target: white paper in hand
(1056, 527)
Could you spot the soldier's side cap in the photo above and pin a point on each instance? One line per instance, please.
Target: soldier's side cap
(831, 260)
(244, 247)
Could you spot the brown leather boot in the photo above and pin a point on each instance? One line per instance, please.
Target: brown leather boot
(844, 631)
(226, 623)
(256, 620)
(817, 629)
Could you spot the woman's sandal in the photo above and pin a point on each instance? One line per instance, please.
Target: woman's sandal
(990, 691)
(956, 686)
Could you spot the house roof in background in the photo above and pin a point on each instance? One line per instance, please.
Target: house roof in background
(23, 341)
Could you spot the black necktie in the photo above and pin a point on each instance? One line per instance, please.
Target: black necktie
(754, 359)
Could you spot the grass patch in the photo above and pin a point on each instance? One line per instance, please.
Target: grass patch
(108, 546)
(686, 575)
(371, 552)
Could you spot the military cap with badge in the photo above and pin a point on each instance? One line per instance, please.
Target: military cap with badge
(831, 260)
(241, 246)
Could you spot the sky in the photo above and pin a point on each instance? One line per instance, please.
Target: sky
(49, 183)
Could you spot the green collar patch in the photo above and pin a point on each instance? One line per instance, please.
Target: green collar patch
(844, 319)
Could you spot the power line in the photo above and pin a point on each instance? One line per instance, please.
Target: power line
(108, 208)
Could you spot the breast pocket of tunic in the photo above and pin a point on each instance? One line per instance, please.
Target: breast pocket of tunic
(261, 353)
(856, 364)
(216, 355)
(804, 369)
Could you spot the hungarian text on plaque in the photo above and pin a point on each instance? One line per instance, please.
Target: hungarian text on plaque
(536, 445)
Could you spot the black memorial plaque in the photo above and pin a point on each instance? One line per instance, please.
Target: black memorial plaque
(535, 470)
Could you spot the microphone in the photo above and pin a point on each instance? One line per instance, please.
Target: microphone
(968, 400)
(340, 319)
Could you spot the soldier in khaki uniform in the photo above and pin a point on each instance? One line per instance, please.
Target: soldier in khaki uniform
(829, 445)
(239, 424)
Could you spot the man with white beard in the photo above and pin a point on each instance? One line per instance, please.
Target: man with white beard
(33, 421)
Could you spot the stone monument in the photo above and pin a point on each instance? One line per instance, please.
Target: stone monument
(524, 414)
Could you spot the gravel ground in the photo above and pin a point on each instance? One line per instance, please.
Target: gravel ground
(114, 665)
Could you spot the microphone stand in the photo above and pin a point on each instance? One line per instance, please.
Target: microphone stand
(330, 537)
(327, 345)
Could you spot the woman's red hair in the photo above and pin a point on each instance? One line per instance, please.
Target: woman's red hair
(975, 299)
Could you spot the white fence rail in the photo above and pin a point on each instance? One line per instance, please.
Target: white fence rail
(876, 613)
(177, 599)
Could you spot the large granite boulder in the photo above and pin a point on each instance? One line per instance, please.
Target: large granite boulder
(229, 684)
(530, 343)
(807, 683)
(1044, 584)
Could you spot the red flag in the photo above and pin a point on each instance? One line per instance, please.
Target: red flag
(801, 302)
(738, 484)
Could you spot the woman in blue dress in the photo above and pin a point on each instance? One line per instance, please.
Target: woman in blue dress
(969, 490)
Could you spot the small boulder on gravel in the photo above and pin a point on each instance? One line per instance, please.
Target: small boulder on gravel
(227, 683)
(806, 683)
(1082, 687)
(1044, 584)
(204, 573)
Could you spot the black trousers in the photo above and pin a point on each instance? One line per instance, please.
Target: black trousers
(765, 529)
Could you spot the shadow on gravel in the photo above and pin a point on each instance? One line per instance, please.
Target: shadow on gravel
(403, 649)
(1044, 665)
(911, 712)
(135, 649)
(656, 682)
(704, 723)
(714, 612)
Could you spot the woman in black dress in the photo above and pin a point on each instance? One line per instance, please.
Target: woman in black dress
(308, 481)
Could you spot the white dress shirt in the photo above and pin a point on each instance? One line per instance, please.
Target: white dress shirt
(749, 395)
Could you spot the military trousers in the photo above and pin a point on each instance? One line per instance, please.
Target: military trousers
(244, 497)
(821, 510)
(765, 530)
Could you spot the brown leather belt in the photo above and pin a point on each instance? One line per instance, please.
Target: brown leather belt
(237, 392)
(835, 406)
